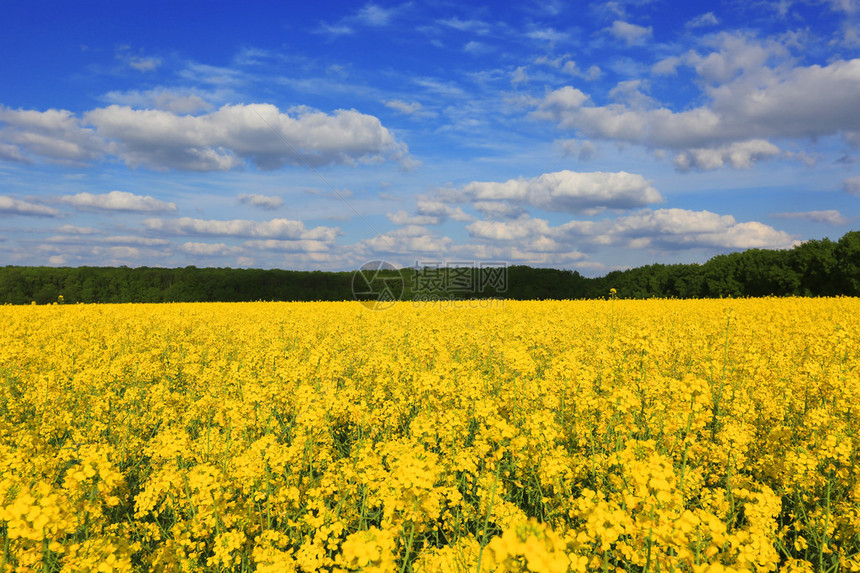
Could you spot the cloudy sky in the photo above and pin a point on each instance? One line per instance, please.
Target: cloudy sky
(328, 134)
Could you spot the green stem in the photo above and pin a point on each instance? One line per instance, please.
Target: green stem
(487, 517)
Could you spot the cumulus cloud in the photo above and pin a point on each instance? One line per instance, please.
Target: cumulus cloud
(442, 210)
(12, 206)
(739, 155)
(630, 33)
(516, 230)
(632, 93)
(220, 140)
(261, 201)
(498, 209)
(57, 135)
(669, 229)
(667, 66)
(429, 212)
(118, 201)
(734, 55)
(682, 228)
(568, 191)
(409, 239)
(274, 228)
(225, 138)
(830, 216)
(748, 102)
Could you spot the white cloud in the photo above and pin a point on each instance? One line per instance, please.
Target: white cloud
(830, 216)
(442, 210)
(9, 152)
(668, 229)
(631, 92)
(144, 64)
(681, 228)
(630, 33)
(208, 249)
(409, 240)
(296, 246)
(273, 229)
(706, 19)
(582, 150)
(11, 206)
(547, 35)
(225, 138)
(554, 62)
(222, 78)
(77, 238)
(118, 201)
(806, 102)
(370, 15)
(735, 54)
(220, 140)
(336, 29)
(499, 209)
(408, 108)
(667, 66)
(402, 217)
(429, 212)
(54, 134)
(516, 230)
(476, 48)
(740, 155)
(373, 15)
(852, 185)
(262, 201)
(519, 76)
(473, 26)
(568, 191)
(570, 68)
(177, 101)
(75, 230)
(133, 240)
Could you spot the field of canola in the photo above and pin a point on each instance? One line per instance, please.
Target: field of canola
(608, 435)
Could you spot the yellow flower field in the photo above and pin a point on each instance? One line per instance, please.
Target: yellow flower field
(478, 436)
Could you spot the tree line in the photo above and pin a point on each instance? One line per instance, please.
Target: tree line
(814, 268)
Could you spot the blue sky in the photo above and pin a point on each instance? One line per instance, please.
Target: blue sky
(572, 135)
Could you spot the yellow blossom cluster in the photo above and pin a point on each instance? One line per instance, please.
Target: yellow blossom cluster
(554, 436)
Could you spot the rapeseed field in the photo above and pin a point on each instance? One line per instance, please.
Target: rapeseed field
(612, 435)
